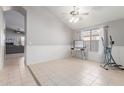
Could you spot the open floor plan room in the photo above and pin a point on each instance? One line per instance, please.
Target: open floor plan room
(61, 45)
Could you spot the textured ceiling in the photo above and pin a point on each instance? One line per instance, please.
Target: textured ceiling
(97, 15)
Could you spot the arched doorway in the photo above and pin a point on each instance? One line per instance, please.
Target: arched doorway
(15, 73)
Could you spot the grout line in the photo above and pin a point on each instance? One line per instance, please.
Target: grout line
(33, 75)
(93, 81)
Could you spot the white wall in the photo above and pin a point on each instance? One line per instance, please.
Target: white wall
(47, 37)
(45, 53)
(118, 54)
(117, 31)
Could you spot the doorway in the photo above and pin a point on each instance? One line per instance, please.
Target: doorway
(15, 36)
(13, 69)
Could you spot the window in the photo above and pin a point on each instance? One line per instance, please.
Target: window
(91, 39)
(22, 40)
(95, 40)
(85, 36)
(95, 34)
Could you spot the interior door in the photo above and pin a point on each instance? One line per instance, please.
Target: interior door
(2, 38)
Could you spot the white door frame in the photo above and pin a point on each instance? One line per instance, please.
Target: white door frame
(2, 38)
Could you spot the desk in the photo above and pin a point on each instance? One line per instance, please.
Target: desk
(74, 52)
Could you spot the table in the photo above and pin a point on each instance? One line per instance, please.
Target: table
(74, 51)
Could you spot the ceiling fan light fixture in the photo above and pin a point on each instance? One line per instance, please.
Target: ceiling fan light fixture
(74, 13)
(72, 19)
(76, 20)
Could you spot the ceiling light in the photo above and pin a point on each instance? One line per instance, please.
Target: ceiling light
(74, 20)
(74, 13)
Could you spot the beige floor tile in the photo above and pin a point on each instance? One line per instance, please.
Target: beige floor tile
(73, 71)
(15, 73)
(64, 72)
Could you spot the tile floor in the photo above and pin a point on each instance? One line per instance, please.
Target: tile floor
(76, 72)
(15, 73)
(64, 72)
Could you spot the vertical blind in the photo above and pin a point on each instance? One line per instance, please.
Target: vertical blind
(91, 39)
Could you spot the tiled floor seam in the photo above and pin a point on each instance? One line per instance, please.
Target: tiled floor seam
(34, 77)
(93, 81)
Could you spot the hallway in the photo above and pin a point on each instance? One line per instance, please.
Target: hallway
(15, 72)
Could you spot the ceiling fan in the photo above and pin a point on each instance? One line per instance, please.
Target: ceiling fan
(75, 11)
(76, 14)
